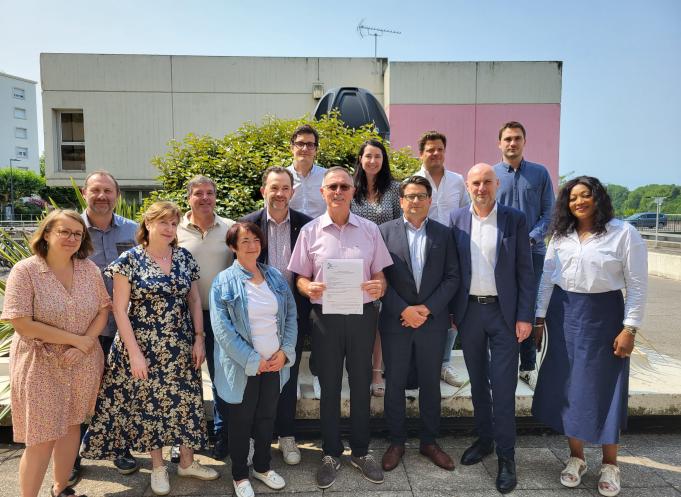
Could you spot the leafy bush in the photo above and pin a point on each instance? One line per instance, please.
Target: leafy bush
(236, 162)
(25, 183)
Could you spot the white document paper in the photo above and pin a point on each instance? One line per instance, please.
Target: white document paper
(343, 279)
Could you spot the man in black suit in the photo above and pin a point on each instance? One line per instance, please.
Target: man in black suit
(415, 317)
(281, 226)
(493, 312)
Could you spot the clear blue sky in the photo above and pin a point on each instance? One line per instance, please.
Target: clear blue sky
(621, 102)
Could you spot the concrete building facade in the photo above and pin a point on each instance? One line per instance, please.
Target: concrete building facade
(118, 111)
(18, 123)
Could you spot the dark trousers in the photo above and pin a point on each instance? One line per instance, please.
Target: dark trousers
(285, 425)
(254, 417)
(528, 350)
(337, 338)
(400, 351)
(219, 420)
(490, 349)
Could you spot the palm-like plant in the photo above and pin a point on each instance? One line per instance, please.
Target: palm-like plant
(12, 250)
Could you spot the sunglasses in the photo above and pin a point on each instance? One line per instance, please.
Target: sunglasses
(334, 187)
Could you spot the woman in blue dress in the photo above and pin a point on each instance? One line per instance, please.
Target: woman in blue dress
(583, 382)
(151, 394)
(377, 198)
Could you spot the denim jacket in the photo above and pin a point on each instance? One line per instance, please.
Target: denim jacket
(235, 357)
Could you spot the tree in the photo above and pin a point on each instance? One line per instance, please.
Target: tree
(24, 183)
(618, 195)
(236, 162)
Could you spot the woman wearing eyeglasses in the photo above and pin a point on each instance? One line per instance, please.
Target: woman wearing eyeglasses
(377, 198)
(58, 305)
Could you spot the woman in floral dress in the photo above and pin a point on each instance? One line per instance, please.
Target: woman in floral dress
(58, 305)
(377, 198)
(151, 395)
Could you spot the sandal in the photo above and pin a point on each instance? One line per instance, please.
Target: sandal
(67, 492)
(571, 476)
(609, 482)
(377, 389)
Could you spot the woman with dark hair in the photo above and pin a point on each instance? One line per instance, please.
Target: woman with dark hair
(151, 395)
(377, 198)
(58, 305)
(254, 323)
(583, 382)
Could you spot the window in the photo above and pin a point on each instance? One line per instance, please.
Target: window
(71, 140)
(21, 153)
(21, 133)
(19, 113)
(19, 93)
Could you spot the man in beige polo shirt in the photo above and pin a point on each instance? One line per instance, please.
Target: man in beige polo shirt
(202, 232)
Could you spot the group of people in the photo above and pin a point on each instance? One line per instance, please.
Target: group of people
(439, 256)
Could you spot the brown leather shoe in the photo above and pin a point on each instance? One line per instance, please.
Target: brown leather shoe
(438, 456)
(392, 457)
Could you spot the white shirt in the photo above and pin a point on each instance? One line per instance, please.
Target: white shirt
(483, 253)
(416, 238)
(450, 195)
(307, 198)
(611, 261)
(262, 317)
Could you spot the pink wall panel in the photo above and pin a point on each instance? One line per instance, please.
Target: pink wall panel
(408, 122)
(472, 131)
(541, 122)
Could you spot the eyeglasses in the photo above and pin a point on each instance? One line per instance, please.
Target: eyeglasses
(413, 196)
(66, 234)
(334, 187)
(303, 145)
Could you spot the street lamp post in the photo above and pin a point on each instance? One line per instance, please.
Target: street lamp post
(11, 189)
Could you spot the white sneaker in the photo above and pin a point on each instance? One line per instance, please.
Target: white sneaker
(449, 375)
(609, 482)
(251, 451)
(160, 483)
(316, 387)
(289, 449)
(271, 479)
(529, 377)
(199, 471)
(243, 489)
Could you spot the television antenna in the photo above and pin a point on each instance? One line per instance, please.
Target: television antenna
(365, 30)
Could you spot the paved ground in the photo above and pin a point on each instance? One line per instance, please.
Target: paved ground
(650, 465)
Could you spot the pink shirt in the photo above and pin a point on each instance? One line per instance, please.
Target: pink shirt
(321, 239)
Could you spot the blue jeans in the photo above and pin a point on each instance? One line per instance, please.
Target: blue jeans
(219, 428)
(528, 351)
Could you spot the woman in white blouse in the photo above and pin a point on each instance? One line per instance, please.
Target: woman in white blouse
(254, 323)
(584, 379)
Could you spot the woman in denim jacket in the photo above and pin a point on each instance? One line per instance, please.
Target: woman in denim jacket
(254, 322)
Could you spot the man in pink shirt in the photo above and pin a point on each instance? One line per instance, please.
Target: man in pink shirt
(339, 234)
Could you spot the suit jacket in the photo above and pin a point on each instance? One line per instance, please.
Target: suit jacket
(513, 272)
(298, 220)
(439, 281)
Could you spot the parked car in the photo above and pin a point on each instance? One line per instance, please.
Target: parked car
(646, 220)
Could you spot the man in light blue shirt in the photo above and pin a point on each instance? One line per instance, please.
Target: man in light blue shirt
(525, 186)
(307, 176)
(111, 235)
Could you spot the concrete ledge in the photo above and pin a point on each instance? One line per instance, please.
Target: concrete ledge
(654, 389)
(665, 264)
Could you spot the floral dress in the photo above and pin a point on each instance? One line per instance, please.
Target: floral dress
(387, 209)
(167, 408)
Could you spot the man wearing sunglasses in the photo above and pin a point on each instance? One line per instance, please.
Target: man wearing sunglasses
(339, 338)
(415, 318)
(307, 176)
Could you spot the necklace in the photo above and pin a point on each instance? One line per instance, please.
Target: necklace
(164, 258)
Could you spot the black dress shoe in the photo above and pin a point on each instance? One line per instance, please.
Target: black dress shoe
(220, 449)
(126, 464)
(506, 478)
(476, 452)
